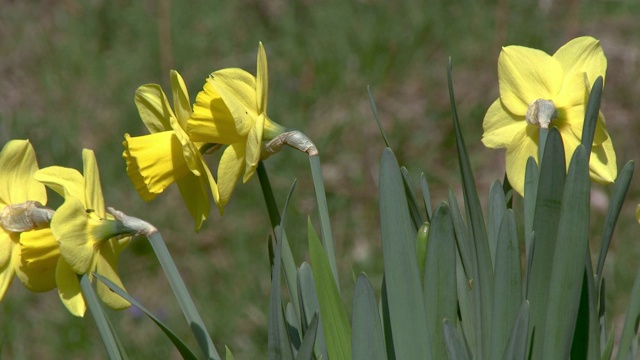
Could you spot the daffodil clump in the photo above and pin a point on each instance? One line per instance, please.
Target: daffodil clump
(542, 91)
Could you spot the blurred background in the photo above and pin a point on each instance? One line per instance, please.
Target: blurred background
(69, 69)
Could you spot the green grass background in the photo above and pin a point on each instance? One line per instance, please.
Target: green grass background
(69, 69)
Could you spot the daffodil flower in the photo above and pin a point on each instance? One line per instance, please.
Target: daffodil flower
(540, 91)
(232, 110)
(168, 154)
(18, 190)
(90, 239)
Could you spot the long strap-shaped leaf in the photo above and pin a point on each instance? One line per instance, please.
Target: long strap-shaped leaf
(367, 341)
(629, 337)
(406, 304)
(484, 281)
(572, 243)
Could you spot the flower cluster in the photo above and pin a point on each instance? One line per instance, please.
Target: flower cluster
(230, 110)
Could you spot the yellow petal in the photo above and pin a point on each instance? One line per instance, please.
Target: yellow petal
(572, 93)
(525, 145)
(153, 107)
(64, 181)
(93, 189)
(7, 264)
(181, 102)
(194, 192)
(106, 265)
(211, 120)
(69, 289)
(189, 150)
(154, 162)
(262, 80)
(39, 253)
(231, 167)
(583, 55)
(500, 126)
(211, 183)
(253, 148)
(602, 164)
(526, 75)
(238, 91)
(76, 234)
(17, 165)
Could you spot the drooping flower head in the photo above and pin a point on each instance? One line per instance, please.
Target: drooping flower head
(20, 194)
(232, 110)
(90, 239)
(168, 154)
(539, 90)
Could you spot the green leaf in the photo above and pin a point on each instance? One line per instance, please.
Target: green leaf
(497, 208)
(309, 306)
(615, 205)
(386, 321)
(507, 291)
(545, 225)
(182, 295)
(377, 117)
(565, 283)
(279, 341)
(629, 339)
(530, 194)
(587, 327)
(288, 264)
(177, 342)
(367, 342)
(591, 115)
(416, 216)
(228, 355)
(106, 332)
(323, 212)
(421, 248)
(455, 346)
(484, 281)
(440, 293)
(406, 304)
(334, 317)
(306, 348)
(519, 338)
(426, 195)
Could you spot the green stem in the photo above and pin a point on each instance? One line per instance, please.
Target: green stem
(542, 141)
(182, 295)
(108, 337)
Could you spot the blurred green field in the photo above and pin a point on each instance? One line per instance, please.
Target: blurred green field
(69, 69)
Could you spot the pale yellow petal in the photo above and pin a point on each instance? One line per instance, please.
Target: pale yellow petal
(195, 196)
(211, 120)
(181, 102)
(526, 75)
(602, 164)
(573, 93)
(583, 55)
(94, 199)
(525, 145)
(69, 289)
(211, 183)
(73, 230)
(153, 107)
(17, 165)
(253, 148)
(230, 170)
(500, 126)
(154, 162)
(262, 80)
(39, 254)
(189, 150)
(7, 261)
(64, 181)
(107, 265)
(238, 90)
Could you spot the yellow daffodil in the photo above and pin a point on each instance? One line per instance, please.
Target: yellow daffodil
(18, 190)
(90, 239)
(232, 110)
(167, 154)
(539, 90)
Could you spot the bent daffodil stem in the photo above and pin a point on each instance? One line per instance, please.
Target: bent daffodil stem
(295, 139)
(140, 227)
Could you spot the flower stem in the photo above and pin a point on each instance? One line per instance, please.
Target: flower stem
(542, 141)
